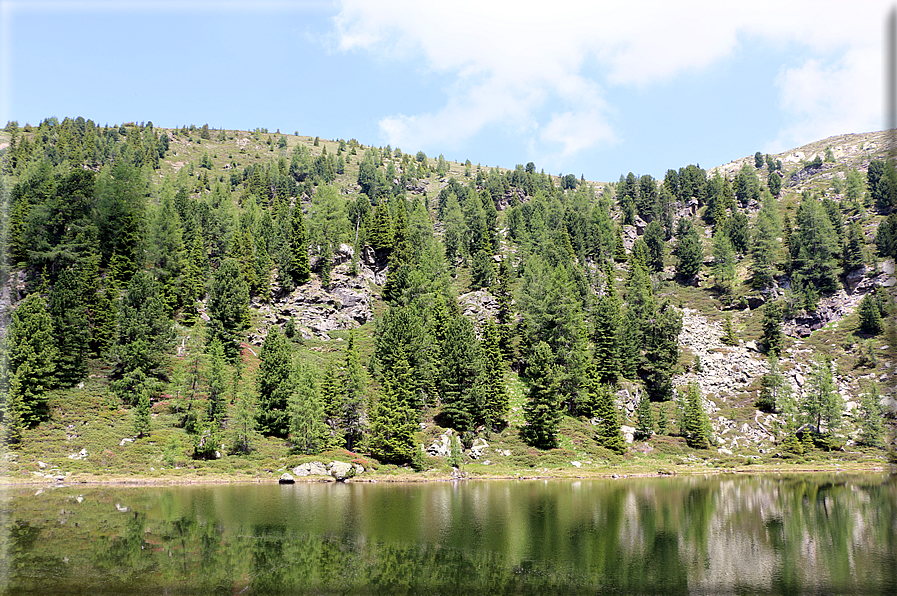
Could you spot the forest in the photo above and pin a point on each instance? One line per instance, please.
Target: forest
(145, 273)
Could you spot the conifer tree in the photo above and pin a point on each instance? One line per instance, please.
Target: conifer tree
(729, 338)
(723, 262)
(332, 405)
(822, 402)
(307, 429)
(356, 381)
(228, 307)
(495, 398)
(541, 410)
(243, 422)
(217, 383)
(696, 423)
(644, 425)
(605, 334)
(144, 333)
(773, 389)
(689, 249)
(32, 363)
(459, 370)
(609, 433)
(104, 322)
(655, 242)
(69, 311)
(392, 428)
(773, 338)
(299, 268)
(852, 257)
(870, 315)
(661, 352)
(275, 384)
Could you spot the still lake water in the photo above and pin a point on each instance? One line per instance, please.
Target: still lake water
(701, 535)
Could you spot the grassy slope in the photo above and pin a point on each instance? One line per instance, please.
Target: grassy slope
(89, 418)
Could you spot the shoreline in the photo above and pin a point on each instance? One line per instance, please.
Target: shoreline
(416, 478)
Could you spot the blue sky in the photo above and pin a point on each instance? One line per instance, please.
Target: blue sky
(601, 90)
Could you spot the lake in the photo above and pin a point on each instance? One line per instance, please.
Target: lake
(699, 535)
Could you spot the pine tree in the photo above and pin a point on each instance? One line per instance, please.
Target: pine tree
(870, 315)
(541, 410)
(654, 239)
(723, 262)
(104, 323)
(661, 352)
(644, 426)
(275, 384)
(689, 249)
(69, 311)
(392, 428)
(307, 429)
(32, 363)
(773, 339)
(459, 369)
(144, 333)
(605, 334)
(142, 411)
(496, 402)
(228, 307)
(299, 268)
(609, 433)
(729, 338)
(853, 257)
(696, 423)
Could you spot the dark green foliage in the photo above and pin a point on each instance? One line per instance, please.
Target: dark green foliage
(275, 384)
(870, 315)
(68, 307)
(689, 249)
(541, 410)
(852, 257)
(661, 352)
(655, 241)
(774, 183)
(765, 247)
(482, 270)
(228, 307)
(298, 269)
(609, 433)
(881, 180)
(886, 236)
(495, 397)
(144, 334)
(32, 356)
(392, 428)
(121, 198)
(772, 339)
(460, 366)
(696, 425)
(644, 425)
(104, 322)
(606, 335)
(142, 410)
(814, 246)
(729, 338)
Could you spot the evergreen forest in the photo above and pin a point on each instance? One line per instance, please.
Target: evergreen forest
(197, 301)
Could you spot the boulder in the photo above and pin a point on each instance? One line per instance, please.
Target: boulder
(286, 478)
(314, 468)
(479, 446)
(341, 470)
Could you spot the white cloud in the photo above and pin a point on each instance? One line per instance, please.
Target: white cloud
(511, 62)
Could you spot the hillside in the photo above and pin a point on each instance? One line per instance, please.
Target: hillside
(416, 300)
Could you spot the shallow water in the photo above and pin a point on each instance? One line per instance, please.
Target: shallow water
(763, 534)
